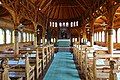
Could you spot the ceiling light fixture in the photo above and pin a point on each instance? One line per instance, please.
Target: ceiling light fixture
(104, 25)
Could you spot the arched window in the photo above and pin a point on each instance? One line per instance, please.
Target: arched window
(114, 36)
(8, 36)
(41, 41)
(50, 24)
(95, 37)
(24, 37)
(76, 23)
(75, 39)
(13, 37)
(55, 24)
(51, 39)
(2, 36)
(67, 24)
(118, 35)
(54, 40)
(103, 36)
(60, 24)
(99, 36)
(30, 37)
(63, 24)
(45, 40)
(71, 24)
(27, 37)
(19, 37)
(72, 39)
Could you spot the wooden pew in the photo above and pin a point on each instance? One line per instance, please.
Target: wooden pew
(35, 56)
(19, 70)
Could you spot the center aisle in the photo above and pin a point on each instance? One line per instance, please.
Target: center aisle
(62, 68)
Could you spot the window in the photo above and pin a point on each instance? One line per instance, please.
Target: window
(75, 39)
(2, 36)
(45, 40)
(19, 37)
(50, 24)
(55, 24)
(30, 37)
(13, 37)
(72, 39)
(71, 24)
(27, 37)
(60, 24)
(103, 36)
(99, 36)
(8, 36)
(24, 37)
(76, 23)
(63, 24)
(67, 24)
(41, 41)
(51, 39)
(118, 35)
(95, 37)
(114, 36)
(54, 40)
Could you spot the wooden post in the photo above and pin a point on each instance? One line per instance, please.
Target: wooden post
(43, 37)
(35, 34)
(86, 71)
(94, 66)
(110, 41)
(16, 44)
(112, 76)
(5, 73)
(92, 33)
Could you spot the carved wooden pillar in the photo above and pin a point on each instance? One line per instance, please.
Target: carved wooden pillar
(35, 34)
(43, 36)
(110, 14)
(92, 33)
(16, 45)
(84, 35)
(94, 66)
(110, 41)
(112, 76)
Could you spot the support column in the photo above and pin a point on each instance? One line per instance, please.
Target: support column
(16, 45)
(110, 41)
(35, 34)
(43, 37)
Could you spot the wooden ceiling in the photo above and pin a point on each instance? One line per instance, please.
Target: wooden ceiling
(62, 10)
(69, 9)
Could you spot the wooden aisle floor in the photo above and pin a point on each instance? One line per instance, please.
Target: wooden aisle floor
(62, 68)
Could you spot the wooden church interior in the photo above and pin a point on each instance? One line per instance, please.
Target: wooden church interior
(33, 33)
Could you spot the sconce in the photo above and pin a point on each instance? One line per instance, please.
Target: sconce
(104, 25)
